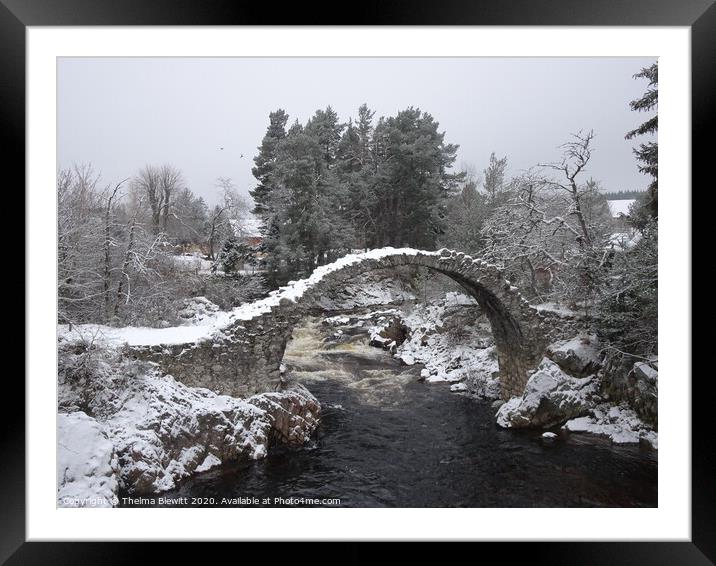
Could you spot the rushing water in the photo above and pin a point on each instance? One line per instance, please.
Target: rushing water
(388, 440)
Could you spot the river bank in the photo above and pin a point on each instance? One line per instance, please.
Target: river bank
(388, 438)
(127, 429)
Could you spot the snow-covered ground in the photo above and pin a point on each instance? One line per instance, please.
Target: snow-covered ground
(460, 354)
(193, 262)
(87, 466)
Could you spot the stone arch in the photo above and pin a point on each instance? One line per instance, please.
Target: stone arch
(518, 328)
(244, 356)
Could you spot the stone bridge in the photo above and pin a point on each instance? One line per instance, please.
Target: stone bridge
(242, 354)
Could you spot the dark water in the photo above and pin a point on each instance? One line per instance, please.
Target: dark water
(387, 440)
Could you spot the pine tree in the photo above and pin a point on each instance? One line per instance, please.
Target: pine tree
(266, 161)
(412, 179)
(647, 153)
(326, 128)
(495, 175)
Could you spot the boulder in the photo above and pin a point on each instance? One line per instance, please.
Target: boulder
(619, 423)
(551, 397)
(626, 379)
(579, 356)
(294, 413)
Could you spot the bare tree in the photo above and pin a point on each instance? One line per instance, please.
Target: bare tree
(225, 218)
(158, 184)
(124, 274)
(79, 231)
(108, 243)
(575, 158)
(553, 230)
(171, 181)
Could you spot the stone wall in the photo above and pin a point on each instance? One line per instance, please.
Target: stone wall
(633, 381)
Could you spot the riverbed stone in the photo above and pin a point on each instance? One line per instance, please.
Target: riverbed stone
(551, 397)
(579, 356)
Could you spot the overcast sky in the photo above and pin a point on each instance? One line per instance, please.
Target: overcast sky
(121, 113)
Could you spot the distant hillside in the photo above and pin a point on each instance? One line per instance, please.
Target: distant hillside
(623, 195)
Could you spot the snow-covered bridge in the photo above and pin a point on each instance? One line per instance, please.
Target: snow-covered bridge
(240, 353)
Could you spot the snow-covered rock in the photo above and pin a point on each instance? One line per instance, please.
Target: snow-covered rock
(551, 397)
(196, 310)
(579, 356)
(372, 289)
(162, 430)
(453, 342)
(619, 423)
(86, 463)
(644, 371)
(635, 382)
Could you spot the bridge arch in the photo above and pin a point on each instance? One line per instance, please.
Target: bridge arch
(243, 356)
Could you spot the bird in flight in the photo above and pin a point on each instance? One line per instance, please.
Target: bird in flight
(221, 148)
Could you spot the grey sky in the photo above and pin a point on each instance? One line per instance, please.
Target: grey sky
(121, 113)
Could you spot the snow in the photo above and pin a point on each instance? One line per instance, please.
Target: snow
(578, 356)
(454, 298)
(555, 308)
(213, 325)
(551, 397)
(191, 262)
(620, 207)
(549, 435)
(160, 429)
(648, 372)
(619, 423)
(365, 293)
(197, 310)
(209, 462)
(86, 463)
(462, 355)
(585, 347)
(623, 240)
(249, 226)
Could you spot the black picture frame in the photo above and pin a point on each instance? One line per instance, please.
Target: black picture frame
(699, 15)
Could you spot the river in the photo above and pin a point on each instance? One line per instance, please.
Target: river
(389, 440)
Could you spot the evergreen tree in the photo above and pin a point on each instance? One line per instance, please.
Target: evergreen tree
(299, 169)
(265, 162)
(647, 153)
(466, 215)
(495, 175)
(365, 130)
(412, 180)
(330, 187)
(326, 129)
(358, 167)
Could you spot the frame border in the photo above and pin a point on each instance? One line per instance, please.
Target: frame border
(700, 15)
